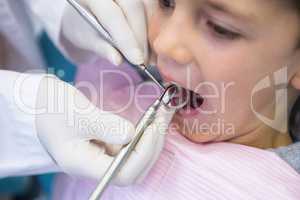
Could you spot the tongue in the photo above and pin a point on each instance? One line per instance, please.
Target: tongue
(195, 100)
(188, 98)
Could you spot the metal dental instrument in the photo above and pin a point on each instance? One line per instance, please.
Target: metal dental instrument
(145, 121)
(89, 18)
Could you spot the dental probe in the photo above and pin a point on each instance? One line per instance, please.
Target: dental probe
(144, 122)
(89, 18)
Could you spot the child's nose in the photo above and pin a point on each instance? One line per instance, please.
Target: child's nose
(171, 43)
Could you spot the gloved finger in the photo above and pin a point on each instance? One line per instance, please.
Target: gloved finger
(167, 115)
(106, 127)
(143, 174)
(110, 149)
(104, 49)
(84, 159)
(82, 35)
(150, 7)
(114, 21)
(89, 122)
(113, 149)
(135, 13)
(147, 150)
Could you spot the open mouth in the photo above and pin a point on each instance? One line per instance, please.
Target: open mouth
(187, 100)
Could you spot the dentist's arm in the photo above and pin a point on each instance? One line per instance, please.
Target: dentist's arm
(124, 19)
(49, 126)
(69, 137)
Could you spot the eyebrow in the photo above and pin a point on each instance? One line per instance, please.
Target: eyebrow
(221, 7)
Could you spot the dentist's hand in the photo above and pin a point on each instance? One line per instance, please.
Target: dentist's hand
(147, 150)
(124, 19)
(69, 125)
(75, 134)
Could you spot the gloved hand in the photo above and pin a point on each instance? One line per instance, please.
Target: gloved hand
(71, 129)
(124, 19)
(147, 150)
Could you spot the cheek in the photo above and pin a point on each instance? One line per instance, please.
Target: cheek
(153, 29)
(239, 78)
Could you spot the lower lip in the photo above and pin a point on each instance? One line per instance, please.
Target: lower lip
(188, 113)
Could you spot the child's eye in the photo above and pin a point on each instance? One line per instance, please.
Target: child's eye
(222, 32)
(167, 4)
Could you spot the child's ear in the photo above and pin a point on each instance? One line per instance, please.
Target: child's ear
(296, 80)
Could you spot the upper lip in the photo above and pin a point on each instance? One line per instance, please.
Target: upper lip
(170, 79)
(186, 96)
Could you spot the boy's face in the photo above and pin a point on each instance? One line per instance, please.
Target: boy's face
(221, 50)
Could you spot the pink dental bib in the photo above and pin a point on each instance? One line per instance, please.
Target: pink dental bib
(188, 171)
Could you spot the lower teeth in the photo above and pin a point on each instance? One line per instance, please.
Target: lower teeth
(187, 99)
(191, 100)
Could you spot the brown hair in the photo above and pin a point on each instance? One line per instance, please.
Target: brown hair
(297, 3)
(294, 118)
(294, 3)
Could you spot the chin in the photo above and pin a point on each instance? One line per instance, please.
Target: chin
(191, 129)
